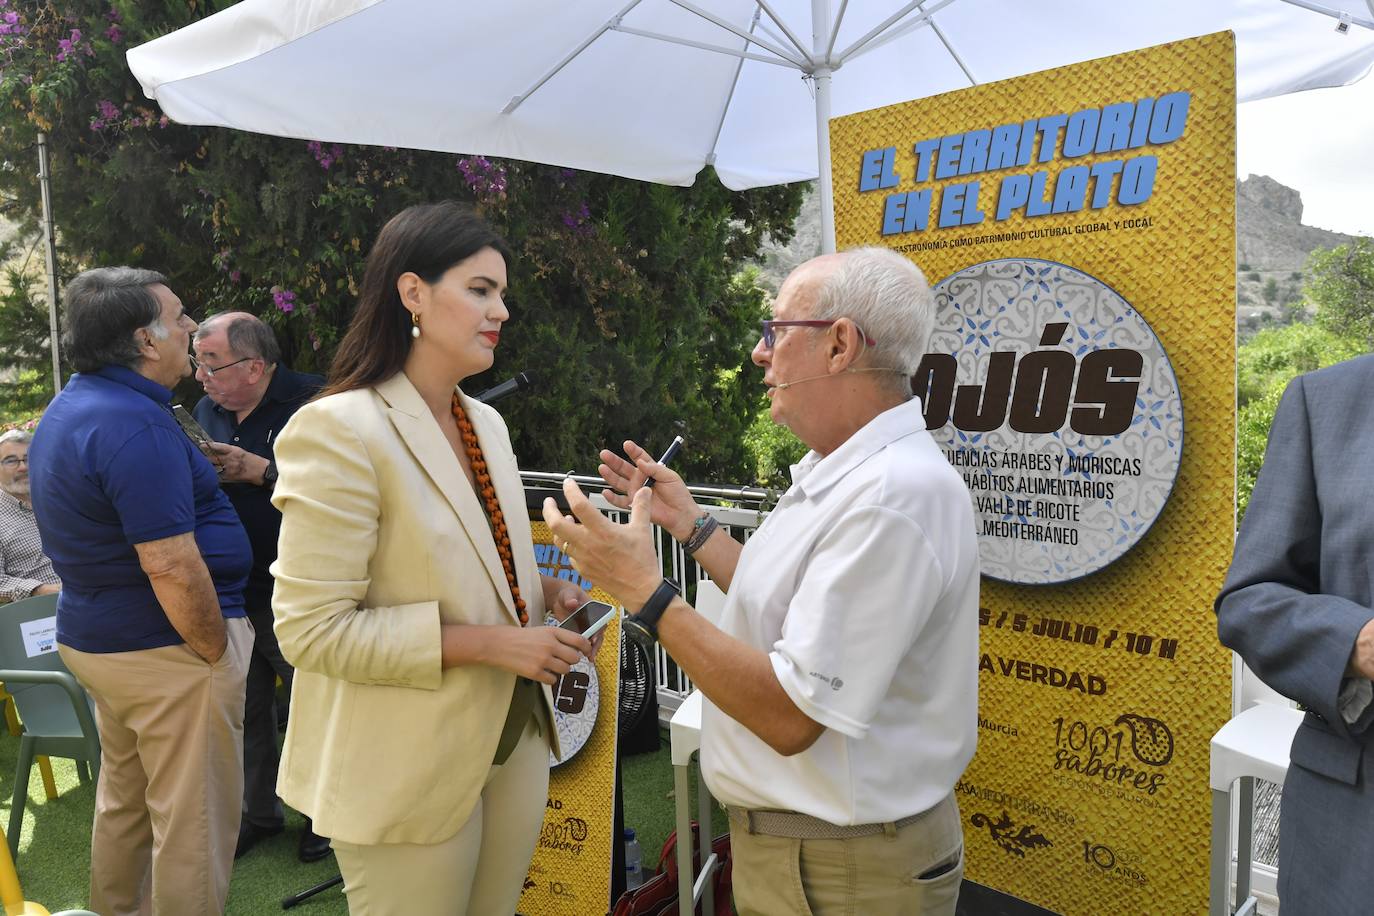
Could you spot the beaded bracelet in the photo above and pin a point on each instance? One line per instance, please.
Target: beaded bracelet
(702, 529)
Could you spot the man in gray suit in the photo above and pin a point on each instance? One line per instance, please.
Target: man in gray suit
(1298, 606)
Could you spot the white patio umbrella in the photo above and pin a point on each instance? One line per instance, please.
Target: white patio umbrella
(657, 89)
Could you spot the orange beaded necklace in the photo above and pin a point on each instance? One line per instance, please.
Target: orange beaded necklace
(487, 493)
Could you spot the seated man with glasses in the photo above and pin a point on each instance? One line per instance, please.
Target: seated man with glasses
(842, 678)
(249, 397)
(24, 568)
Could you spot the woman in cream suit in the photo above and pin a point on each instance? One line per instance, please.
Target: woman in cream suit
(421, 716)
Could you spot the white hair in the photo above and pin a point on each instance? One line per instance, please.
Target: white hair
(887, 296)
(21, 436)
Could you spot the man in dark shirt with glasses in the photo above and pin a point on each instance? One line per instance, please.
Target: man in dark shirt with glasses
(249, 398)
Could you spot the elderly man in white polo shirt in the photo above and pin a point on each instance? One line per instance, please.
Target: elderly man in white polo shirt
(842, 678)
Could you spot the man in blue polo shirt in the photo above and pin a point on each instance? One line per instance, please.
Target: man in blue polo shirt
(151, 620)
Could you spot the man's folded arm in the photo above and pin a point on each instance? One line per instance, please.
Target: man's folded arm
(183, 586)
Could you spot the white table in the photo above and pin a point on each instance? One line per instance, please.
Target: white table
(685, 738)
(1253, 745)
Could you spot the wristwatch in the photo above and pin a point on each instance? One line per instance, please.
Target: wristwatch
(643, 627)
(269, 474)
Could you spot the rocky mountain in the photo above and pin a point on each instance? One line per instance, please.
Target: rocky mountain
(1270, 235)
(1272, 246)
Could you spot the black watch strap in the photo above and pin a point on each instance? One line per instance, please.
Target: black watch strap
(269, 474)
(647, 619)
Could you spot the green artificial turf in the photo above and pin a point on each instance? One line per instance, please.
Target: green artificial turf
(55, 844)
(55, 850)
(649, 801)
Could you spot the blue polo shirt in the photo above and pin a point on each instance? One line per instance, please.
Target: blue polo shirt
(110, 468)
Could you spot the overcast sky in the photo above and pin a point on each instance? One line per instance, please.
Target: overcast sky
(1320, 143)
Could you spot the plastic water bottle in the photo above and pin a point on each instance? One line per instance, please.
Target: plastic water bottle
(634, 861)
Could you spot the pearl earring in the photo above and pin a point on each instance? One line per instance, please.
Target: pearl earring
(415, 325)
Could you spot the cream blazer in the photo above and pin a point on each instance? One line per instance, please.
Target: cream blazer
(382, 540)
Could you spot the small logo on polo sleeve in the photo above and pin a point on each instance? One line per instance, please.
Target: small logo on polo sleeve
(834, 682)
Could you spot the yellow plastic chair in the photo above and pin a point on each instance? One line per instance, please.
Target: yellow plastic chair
(11, 717)
(12, 895)
(16, 730)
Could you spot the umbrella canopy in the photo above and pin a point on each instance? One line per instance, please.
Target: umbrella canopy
(657, 89)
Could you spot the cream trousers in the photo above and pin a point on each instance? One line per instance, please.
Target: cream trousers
(479, 870)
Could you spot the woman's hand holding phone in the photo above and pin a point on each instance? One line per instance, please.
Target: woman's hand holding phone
(590, 619)
(564, 600)
(541, 654)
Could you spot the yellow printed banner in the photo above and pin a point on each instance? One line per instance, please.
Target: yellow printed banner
(1078, 226)
(571, 871)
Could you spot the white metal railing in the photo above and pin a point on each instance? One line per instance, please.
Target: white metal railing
(739, 510)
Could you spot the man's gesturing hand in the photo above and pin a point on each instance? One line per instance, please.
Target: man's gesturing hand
(618, 558)
(673, 507)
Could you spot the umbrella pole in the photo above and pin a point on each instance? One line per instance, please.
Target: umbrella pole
(822, 77)
(821, 43)
(50, 254)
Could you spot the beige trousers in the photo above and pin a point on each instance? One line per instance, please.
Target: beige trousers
(878, 875)
(168, 800)
(479, 870)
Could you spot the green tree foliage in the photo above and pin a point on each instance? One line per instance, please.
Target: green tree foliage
(1265, 365)
(27, 384)
(1274, 356)
(1341, 284)
(774, 449)
(1294, 309)
(1270, 292)
(1252, 435)
(629, 300)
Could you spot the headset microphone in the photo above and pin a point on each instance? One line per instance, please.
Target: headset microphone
(786, 385)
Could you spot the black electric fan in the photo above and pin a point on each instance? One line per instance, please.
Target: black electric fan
(636, 686)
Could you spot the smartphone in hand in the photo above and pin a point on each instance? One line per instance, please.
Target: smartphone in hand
(589, 619)
(194, 431)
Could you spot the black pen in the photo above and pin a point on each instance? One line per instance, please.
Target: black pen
(668, 455)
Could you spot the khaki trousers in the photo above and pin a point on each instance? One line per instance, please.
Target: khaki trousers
(479, 870)
(170, 791)
(877, 875)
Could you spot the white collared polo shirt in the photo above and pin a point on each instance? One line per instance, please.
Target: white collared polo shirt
(862, 585)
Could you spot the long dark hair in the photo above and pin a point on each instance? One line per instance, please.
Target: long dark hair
(426, 240)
